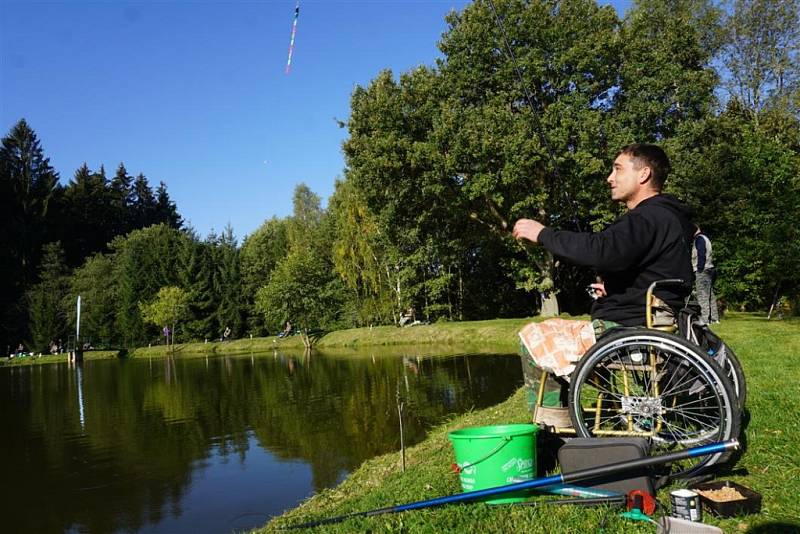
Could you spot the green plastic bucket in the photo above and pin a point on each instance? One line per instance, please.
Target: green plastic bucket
(491, 456)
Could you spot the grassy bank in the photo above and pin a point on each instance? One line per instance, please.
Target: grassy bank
(497, 335)
(770, 464)
(57, 358)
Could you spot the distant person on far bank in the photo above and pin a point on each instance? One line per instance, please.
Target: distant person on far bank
(287, 329)
(704, 277)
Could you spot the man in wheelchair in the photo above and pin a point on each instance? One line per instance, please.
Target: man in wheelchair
(618, 380)
(650, 242)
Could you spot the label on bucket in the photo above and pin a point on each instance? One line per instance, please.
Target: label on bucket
(520, 464)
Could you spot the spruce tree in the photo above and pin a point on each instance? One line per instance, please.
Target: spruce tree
(45, 311)
(122, 200)
(165, 210)
(144, 203)
(229, 282)
(28, 187)
(197, 277)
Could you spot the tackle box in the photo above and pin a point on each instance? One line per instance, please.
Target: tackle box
(583, 453)
(750, 504)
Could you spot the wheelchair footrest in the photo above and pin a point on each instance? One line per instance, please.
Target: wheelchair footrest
(552, 416)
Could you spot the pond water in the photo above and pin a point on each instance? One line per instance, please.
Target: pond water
(214, 444)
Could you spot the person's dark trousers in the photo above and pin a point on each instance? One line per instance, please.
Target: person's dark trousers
(704, 282)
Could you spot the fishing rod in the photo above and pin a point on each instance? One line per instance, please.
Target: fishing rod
(563, 478)
(535, 106)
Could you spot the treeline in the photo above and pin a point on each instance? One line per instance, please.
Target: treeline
(441, 160)
(47, 229)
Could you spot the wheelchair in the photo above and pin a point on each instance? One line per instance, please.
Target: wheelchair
(675, 384)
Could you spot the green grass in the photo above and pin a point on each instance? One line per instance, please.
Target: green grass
(58, 358)
(770, 465)
(497, 335)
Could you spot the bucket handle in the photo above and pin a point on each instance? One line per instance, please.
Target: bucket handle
(506, 441)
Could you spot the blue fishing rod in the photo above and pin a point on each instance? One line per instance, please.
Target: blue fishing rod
(563, 478)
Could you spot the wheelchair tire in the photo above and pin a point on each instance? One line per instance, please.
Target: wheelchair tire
(735, 373)
(682, 401)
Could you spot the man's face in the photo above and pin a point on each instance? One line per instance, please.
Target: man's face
(625, 180)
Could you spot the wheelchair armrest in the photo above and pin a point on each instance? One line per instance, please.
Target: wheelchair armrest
(665, 282)
(649, 297)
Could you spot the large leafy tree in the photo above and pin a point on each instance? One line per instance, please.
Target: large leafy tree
(742, 181)
(168, 308)
(446, 158)
(762, 54)
(399, 172)
(259, 254)
(526, 137)
(362, 257)
(303, 286)
(665, 73)
(302, 290)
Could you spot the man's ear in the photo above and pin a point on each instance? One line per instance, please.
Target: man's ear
(645, 174)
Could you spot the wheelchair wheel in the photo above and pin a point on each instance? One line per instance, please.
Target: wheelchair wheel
(724, 356)
(735, 373)
(658, 386)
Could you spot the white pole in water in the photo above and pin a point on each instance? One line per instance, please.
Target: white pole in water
(78, 325)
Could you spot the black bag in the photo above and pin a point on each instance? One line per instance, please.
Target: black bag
(697, 332)
(583, 453)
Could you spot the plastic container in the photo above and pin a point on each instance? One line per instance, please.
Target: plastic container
(676, 525)
(751, 504)
(492, 456)
(686, 505)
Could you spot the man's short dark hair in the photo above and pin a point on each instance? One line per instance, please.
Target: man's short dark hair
(652, 156)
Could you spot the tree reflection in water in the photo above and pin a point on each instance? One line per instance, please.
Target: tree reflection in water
(158, 437)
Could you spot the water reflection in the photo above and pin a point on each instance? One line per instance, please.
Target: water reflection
(79, 379)
(214, 444)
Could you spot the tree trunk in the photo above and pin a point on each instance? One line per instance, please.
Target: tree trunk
(549, 304)
(306, 339)
(547, 291)
(460, 295)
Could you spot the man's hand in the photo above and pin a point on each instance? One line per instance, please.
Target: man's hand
(599, 289)
(528, 229)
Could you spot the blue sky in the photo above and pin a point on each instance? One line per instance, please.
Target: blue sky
(194, 92)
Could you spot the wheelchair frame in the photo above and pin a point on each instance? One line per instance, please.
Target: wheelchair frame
(653, 411)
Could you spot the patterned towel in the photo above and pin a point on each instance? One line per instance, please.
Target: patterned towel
(556, 344)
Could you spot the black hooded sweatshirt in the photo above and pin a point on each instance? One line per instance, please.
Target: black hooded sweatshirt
(648, 243)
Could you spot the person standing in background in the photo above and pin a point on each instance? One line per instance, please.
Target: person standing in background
(704, 276)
